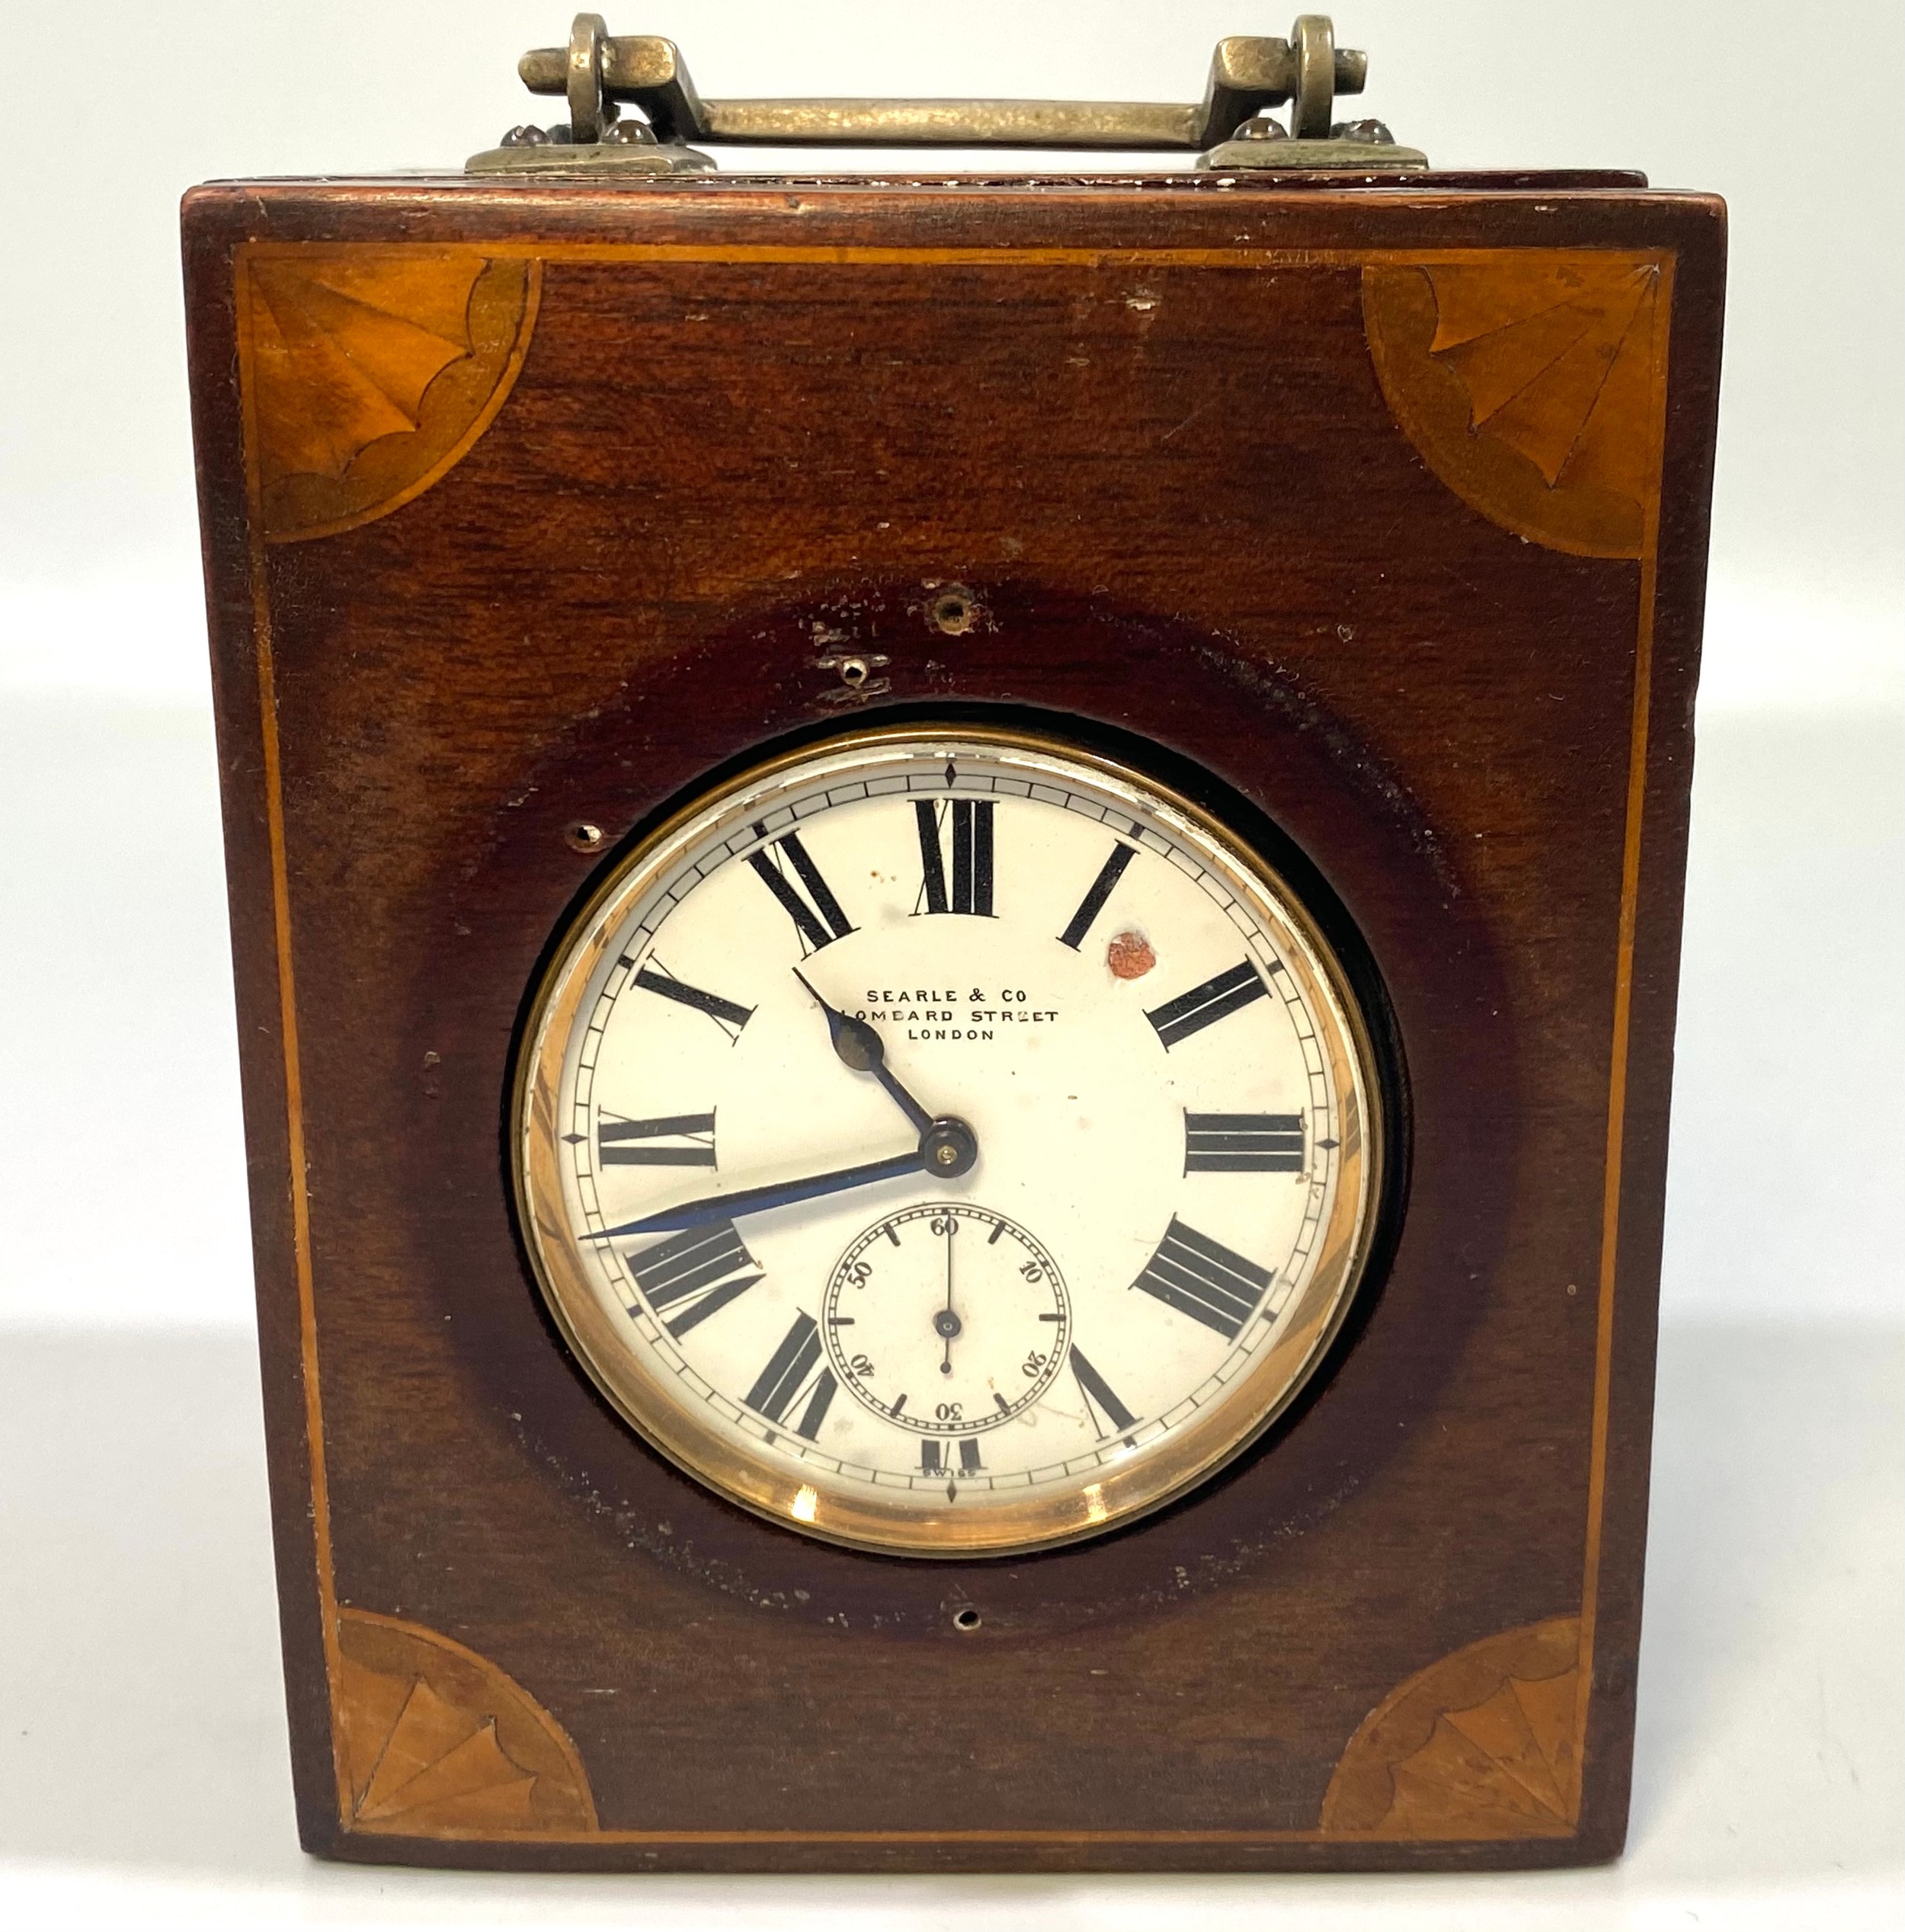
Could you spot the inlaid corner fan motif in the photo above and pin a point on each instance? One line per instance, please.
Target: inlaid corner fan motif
(1529, 382)
(435, 1741)
(1484, 1744)
(373, 370)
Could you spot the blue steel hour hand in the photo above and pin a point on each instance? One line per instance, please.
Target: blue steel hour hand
(947, 1147)
(861, 1048)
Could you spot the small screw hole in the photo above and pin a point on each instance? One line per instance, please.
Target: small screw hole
(954, 612)
(583, 836)
(966, 1619)
(853, 671)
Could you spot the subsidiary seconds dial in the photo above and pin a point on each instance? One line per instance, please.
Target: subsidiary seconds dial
(947, 1319)
(947, 1144)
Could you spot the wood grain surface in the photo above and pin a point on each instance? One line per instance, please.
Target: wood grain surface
(1237, 475)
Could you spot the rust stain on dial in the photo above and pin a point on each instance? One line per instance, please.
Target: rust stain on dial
(1129, 956)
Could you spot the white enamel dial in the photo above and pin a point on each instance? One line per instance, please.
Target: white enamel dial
(947, 1143)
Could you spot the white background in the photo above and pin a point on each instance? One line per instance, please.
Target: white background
(146, 1779)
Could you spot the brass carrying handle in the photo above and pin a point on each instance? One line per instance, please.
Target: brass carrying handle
(599, 72)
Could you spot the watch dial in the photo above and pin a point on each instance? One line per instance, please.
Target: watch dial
(948, 1144)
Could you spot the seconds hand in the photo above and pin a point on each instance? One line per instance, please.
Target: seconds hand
(946, 1321)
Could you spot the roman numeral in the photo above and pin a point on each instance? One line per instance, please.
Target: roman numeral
(1191, 1012)
(931, 1462)
(688, 1141)
(971, 879)
(789, 1377)
(731, 1018)
(1100, 1398)
(1243, 1143)
(1093, 903)
(818, 918)
(1203, 1279)
(696, 1272)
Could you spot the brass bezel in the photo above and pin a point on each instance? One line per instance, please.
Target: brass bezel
(1037, 1519)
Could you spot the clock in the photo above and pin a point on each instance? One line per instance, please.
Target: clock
(947, 1142)
(955, 904)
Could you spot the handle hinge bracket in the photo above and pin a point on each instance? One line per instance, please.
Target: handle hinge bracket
(599, 74)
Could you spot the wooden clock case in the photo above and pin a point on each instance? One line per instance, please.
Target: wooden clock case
(1381, 508)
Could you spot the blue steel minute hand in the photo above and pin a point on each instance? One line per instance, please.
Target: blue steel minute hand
(775, 1193)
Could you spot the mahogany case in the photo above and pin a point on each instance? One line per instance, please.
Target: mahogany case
(1383, 508)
